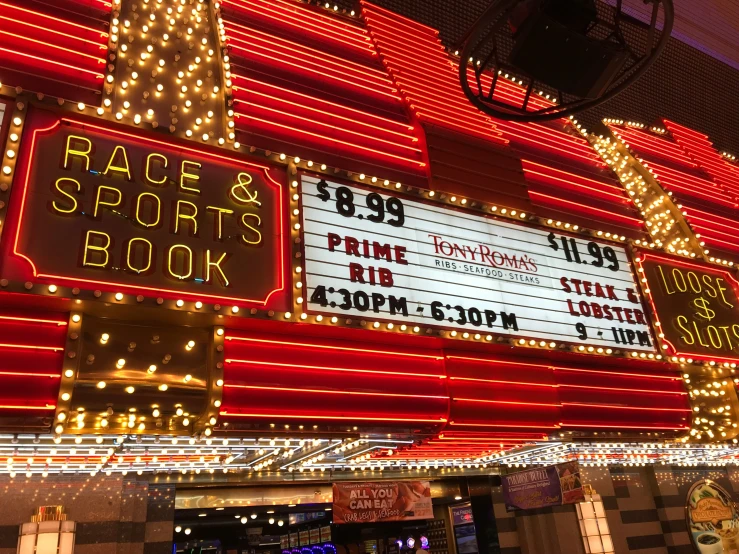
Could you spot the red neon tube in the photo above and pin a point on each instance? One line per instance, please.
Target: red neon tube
(334, 140)
(341, 392)
(391, 94)
(330, 347)
(54, 19)
(293, 116)
(325, 62)
(261, 36)
(98, 60)
(326, 368)
(340, 107)
(99, 45)
(389, 418)
(584, 208)
(323, 31)
(293, 8)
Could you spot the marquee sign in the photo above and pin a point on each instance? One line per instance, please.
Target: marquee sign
(381, 256)
(99, 207)
(697, 307)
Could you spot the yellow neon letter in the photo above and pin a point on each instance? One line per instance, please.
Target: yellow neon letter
(74, 151)
(65, 193)
(193, 227)
(158, 211)
(248, 227)
(91, 247)
(189, 176)
(218, 212)
(721, 288)
(119, 168)
(188, 260)
(217, 269)
(129, 263)
(147, 173)
(98, 202)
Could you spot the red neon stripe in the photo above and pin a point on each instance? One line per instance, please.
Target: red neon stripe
(99, 45)
(294, 8)
(389, 418)
(29, 374)
(501, 382)
(507, 402)
(622, 389)
(395, 20)
(616, 196)
(48, 61)
(687, 130)
(329, 76)
(340, 392)
(33, 320)
(582, 207)
(18, 407)
(271, 39)
(31, 347)
(56, 47)
(379, 10)
(406, 126)
(324, 31)
(329, 347)
(599, 425)
(334, 140)
(620, 373)
(329, 126)
(340, 369)
(52, 18)
(509, 425)
(611, 406)
(306, 60)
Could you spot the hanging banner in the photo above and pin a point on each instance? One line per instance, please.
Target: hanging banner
(697, 306)
(713, 522)
(382, 501)
(106, 207)
(382, 256)
(541, 487)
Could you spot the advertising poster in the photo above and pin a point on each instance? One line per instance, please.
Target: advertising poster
(382, 501)
(304, 538)
(462, 514)
(315, 536)
(712, 519)
(294, 540)
(326, 533)
(543, 487)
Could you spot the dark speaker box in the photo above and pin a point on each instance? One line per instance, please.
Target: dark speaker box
(566, 60)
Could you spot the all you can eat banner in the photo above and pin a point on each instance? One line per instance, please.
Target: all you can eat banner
(382, 501)
(543, 487)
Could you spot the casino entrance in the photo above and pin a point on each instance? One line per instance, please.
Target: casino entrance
(458, 517)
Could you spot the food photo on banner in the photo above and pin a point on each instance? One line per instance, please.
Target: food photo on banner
(382, 501)
(543, 487)
(713, 522)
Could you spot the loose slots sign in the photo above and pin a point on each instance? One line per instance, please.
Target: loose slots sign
(381, 256)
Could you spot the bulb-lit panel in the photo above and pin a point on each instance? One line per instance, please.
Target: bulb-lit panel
(168, 69)
(133, 378)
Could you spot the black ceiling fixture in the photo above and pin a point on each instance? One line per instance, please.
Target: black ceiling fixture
(569, 55)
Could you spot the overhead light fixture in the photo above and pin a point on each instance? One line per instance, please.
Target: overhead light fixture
(254, 516)
(457, 497)
(271, 521)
